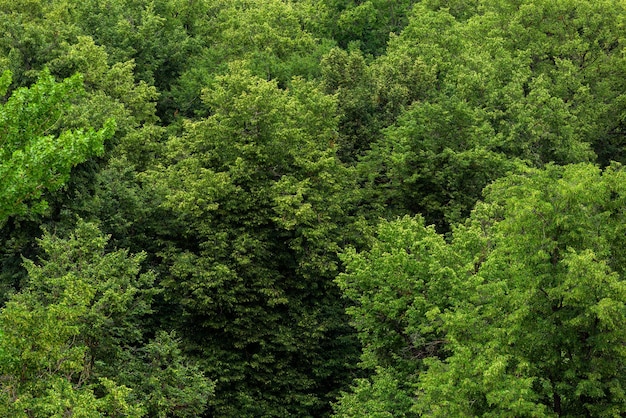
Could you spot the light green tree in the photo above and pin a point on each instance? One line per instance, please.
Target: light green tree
(37, 153)
(520, 314)
(542, 330)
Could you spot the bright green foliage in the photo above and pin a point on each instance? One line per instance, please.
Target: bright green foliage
(383, 395)
(36, 153)
(404, 277)
(399, 289)
(525, 306)
(255, 189)
(542, 332)
(81, 104)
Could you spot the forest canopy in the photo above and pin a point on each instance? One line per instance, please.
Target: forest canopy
(312, 208)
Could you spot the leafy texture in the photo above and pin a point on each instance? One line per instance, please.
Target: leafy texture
(521, 314)
(255, 189)
(69, 332)
(540, 334)
(36, 153)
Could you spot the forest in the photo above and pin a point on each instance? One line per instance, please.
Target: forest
(312, 208)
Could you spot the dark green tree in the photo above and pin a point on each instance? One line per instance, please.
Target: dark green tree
(367, 24)
(34, 33)
(527, 81)
(276, 39)
(347, 75)
(255, 194)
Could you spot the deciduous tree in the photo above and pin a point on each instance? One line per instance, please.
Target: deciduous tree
(255, 192)
(37, 154)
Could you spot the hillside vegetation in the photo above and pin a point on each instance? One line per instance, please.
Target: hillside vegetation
(309, 208)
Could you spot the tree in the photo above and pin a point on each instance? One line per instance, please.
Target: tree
(274, 38)
(543, 329)
(78, 307)
(367, 24)
(163, 379)
(84, 105)
(473, 93)
(35, 33)
(37, 154)
(255, 192)
(398, 290)
(347, 75)
(524, 305)
(154, 35)
(72, 339)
